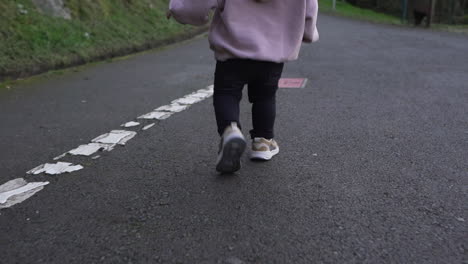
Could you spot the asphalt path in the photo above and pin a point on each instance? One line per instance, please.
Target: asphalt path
(373, 165)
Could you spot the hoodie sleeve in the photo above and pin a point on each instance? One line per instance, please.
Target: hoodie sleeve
(310, 32)
(193, 12)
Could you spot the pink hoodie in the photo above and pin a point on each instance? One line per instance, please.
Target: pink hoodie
(268, 30)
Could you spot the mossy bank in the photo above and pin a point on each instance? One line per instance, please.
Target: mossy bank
(33, 41)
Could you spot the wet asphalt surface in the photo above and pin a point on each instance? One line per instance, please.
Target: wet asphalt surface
(373, 165)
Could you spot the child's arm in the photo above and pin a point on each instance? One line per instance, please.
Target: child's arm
(193, 12)
(311, 33)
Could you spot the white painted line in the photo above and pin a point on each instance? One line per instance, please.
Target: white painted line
(17, 191)
(54, 169)
(130, 124)
(201, 95)
(207, 90)
(187, 100)
(174, 108)
(91, 148)
(60, 156)
(148, 126)
(206, 93)
(156, 115)
(115, 137)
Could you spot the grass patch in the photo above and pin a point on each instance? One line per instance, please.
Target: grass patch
(348, 10)
(9, 83)
(98, 28)
(6, 85)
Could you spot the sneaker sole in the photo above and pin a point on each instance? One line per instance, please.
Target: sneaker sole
(263, 155)
(231, 154)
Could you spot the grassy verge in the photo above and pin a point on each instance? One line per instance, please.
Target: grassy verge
(348, 10)
(31, 42)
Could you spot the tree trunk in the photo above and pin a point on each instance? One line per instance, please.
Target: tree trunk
(431, 14)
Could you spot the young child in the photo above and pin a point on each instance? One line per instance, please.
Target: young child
(251, 40)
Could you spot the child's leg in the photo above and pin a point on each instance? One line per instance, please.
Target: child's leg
(230, 78)
(263, 86)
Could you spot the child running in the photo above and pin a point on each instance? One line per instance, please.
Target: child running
(251, 40)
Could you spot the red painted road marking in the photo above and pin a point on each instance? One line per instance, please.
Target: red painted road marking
(292, 82)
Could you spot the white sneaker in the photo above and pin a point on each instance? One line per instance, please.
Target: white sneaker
(263, 149)
(231, 148)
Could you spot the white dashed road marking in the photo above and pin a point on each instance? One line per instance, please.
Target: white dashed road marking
(148, 126)
(17, 191)
(54, 169)
(189, 100)
(90, 149)
(130, 124)
(60, 156)
(156, 115)
(120, 137)
(174, 108)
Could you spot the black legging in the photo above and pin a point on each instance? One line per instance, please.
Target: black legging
(262, 79)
